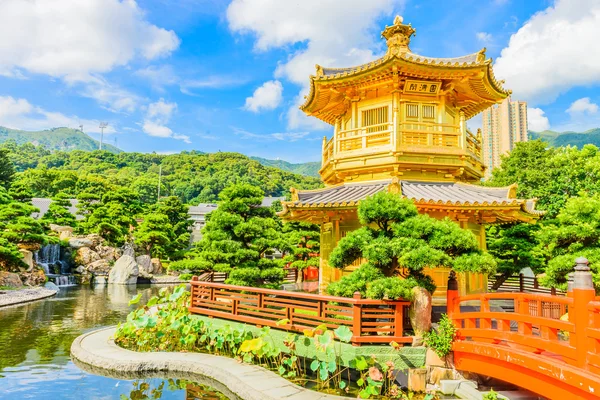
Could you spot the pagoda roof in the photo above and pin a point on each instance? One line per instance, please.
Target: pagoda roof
(470, 77)
(424, 194)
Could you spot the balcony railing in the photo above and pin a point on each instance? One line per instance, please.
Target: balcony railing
(429, 134)
(369, 137)
(473, 144)
(380, 137)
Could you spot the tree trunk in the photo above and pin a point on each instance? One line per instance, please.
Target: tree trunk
(420, 314)
(500, 280)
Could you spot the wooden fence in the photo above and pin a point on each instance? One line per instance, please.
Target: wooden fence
(371, 321)
(291, 276)
(523, 284)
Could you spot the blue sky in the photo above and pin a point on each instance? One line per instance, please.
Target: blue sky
(214, 75)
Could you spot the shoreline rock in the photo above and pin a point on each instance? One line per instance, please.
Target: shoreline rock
(20, 296)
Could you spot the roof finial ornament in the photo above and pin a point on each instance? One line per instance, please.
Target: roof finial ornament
(398, 36)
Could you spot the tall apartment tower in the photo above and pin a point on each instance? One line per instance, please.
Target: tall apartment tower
(504, 124)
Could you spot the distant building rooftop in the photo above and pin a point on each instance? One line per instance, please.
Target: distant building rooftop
(43, 204)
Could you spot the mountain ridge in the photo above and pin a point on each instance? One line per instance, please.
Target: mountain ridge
(568, 138)
(68, 139)
(64, 139)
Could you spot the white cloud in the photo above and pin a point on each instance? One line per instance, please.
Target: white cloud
(21, 114)
(111, 97)
(281, 136)
(161, 110)
(335, 33)
(158, 76)
(74, 38)
(158, 116)
(210, 82)
(484, 37)
(582, 106)
(266, 97)
(536, 120)
(553, 52)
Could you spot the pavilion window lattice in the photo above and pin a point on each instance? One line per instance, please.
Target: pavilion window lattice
(375, 119)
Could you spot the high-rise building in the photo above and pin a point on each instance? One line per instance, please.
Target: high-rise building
(504, 124)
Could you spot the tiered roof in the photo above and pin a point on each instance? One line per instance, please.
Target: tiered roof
(426, 195)
(471, 77)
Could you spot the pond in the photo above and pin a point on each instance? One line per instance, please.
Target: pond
(35, 341)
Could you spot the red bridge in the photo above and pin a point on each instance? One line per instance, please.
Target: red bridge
(521, 338)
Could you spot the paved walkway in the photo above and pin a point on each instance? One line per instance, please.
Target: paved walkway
(19, 296)
(244, 381)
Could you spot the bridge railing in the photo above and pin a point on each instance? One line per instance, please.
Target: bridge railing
(564, 328)
(371, 321)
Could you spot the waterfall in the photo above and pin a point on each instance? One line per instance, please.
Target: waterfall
(49, 258)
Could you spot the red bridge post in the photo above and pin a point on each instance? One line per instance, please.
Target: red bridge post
(452, 303)
(583, 293)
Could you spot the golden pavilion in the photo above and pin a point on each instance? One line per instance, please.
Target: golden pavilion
(400, 125)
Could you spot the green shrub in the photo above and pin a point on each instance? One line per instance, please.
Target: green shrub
(441, 340)
(190, 265)
(355, 282)
(186, 277)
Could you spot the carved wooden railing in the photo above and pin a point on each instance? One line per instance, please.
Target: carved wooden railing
(548, 344)
(373, 136)
(429, 134)
(534, 325)
(371, 321)
(520, 283)
(327, 151)
(291, 276)
(473, 144)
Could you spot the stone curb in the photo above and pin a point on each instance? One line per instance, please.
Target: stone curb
(34, 297)
(96, 352)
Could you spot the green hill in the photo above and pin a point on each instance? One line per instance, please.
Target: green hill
(307, 169)
(578, 139)
(55, 139)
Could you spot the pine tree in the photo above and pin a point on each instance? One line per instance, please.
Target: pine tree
(394, 237)
(155, 235)
(301, 240)
(58, 212)
(179, 219)
(237, 237)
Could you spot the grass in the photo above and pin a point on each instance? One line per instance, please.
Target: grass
(8, 288)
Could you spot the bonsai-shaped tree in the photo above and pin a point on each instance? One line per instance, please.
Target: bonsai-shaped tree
(395, 240)
(515, 247)
(574, 233)
(237, 237)
(155, 234)
(302, 240)
(178, 218)
(58, 212)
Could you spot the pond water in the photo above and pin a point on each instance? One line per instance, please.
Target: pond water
(35, 341)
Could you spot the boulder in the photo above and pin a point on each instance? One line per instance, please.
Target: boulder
(10, 279)
(85, 256)
(99, 267)
(35, 277)
(100, 280)
(108, 253)
(157, 267)
(145, 266)
(79, 242)
(51, 286)
(420, 314)
(64, 232)
(124, 272)
(27, 258)
(128, 250)
(95, 239)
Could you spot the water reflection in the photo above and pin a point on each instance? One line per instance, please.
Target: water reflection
(35, 340)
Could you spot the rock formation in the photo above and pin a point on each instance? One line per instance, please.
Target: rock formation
(124, 272)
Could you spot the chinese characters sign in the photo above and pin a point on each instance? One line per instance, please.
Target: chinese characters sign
(422, 87)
